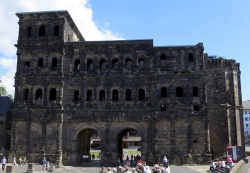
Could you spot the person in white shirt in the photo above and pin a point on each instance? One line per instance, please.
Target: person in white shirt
(147, 170)
(3, 161)
(165, 161)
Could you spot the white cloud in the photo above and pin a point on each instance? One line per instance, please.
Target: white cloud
(79, 10)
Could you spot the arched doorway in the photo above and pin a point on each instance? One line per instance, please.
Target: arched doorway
(87, 145)
(128, 145)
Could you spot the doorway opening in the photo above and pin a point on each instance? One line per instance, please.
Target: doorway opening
(128, 146)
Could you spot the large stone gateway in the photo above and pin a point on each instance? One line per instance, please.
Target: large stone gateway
(184, 104)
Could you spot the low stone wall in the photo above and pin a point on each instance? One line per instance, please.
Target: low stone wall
(237, 166)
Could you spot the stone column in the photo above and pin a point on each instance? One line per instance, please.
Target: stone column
(73, 149)
(59, 141)
(207, 136)
(190, 135)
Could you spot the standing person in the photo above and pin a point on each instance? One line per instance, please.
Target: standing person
(14, 160)
(118, 162)
(44, 163)
(3, 161)
(165, 161)
(132, 158)
(103, 170)
(20, 160)
(24, 161)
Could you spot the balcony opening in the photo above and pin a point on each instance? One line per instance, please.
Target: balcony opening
(196, 108)
(141, 94)
(56, 30)
(128, 63)
(163, 92)
(102, 95)
(89, 95)
(42, 31)
(54, 62)
(25, 94)
(103, 64)
(163, 108)
(28, 33)
(76, 95)
(52, 94)
(115, 95)
(195, 91)
(40, 63)
(141, 62)
(115, 64)
(190, 57)
(128, 95)
(163, 60)
(179, 92)
(39, 94)
(90, 64)
(77, 64)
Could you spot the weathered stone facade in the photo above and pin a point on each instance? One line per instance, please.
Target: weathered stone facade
(181, 101)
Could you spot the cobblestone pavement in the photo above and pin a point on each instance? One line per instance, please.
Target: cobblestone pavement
(71, 169)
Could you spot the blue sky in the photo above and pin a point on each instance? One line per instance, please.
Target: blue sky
(223, 26)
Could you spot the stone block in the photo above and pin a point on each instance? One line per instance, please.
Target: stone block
(10, 169)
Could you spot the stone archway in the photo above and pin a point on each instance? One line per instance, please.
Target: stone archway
(215, 145)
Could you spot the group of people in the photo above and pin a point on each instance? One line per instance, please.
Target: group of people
(140, 167)
(220, 163)
(21, 161)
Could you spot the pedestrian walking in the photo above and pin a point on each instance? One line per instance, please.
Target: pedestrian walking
(24, 161)
(14, 160)
(44, 163)
(3, 161)
(165, 161)
(20, 160)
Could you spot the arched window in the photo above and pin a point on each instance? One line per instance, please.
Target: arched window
(163, 60)
(76, 95)
(52, 94)
(54, 62)
(141, 94)
(40, 62)
(102, 63)
(89, 95)
(27, 64)
(196, 107)
(141, 62)
(179, 92)
(102, 95)
(190, 57)
(115, 63)
(42, 31)
(56, 30)
(128, 63)
(128, 95)
(28, 32)
(163, 92)
(115, 95)
(25, 94)
(195, 91)
(39, 94)
(77, 64)
(90, 64)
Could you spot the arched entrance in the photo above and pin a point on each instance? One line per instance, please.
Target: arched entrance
(88, 145)
(128, 144)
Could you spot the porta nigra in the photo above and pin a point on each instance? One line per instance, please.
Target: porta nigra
(184, 103)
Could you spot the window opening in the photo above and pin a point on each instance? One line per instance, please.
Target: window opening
(25, 94)
(196, 107)
(141, 94)
(56, 30)
(52, 94)
(128, 63)
(195, 91)
(141, 62)
(128, 95)
(39, 94)
(40, 62)
(246, 119)
(54, 62)
(42, 31)
(77, 64)
(103, 63)
(163, 60)
(163, 108)
(115, 95)
(195, 141)
(163, 92)
(90, 64)
(102, 95)
(76, 95)
(115, 63)
(190, 57)
(179, 92)
(27, 64)
(89, 95)
(28, 34)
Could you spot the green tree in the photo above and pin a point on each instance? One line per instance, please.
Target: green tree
(4, 92)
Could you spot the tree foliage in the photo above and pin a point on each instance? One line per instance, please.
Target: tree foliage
(4, 92)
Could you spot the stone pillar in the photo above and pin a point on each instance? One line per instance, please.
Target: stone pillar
(73, 149)
(30, 168)
(59, 141)
(190, 135)
(10, 169)
(207, 136)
